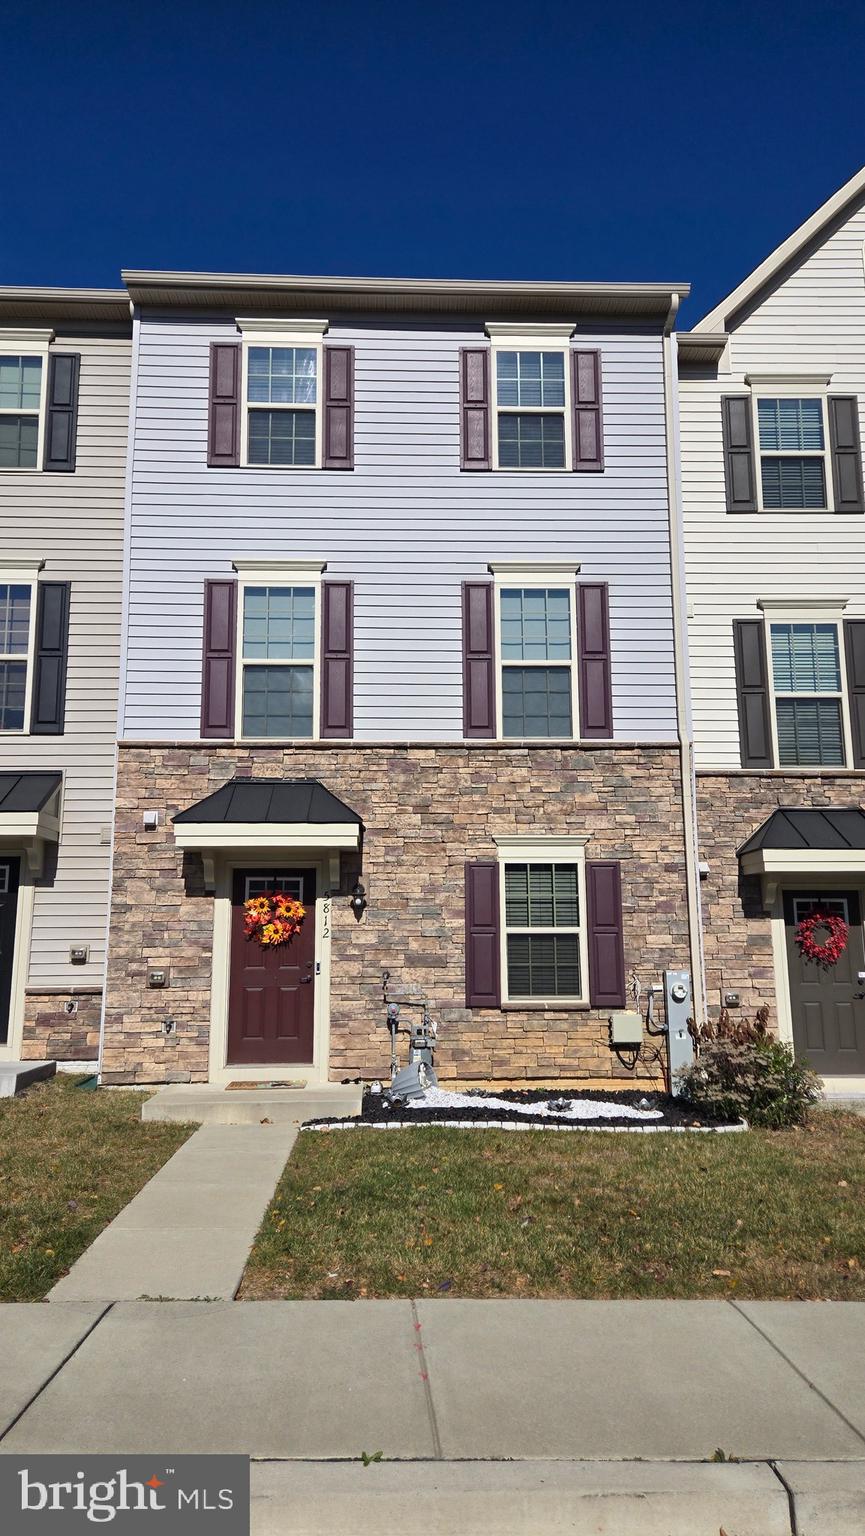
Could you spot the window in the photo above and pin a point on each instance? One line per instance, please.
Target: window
(530, 410)
(808, 694)
(792, 437)
(282, 383)
(543, 897)
(536, 625)
(21, 379)
(278, 662)
(16, 605)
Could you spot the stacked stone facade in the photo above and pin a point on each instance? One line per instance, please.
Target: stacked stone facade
(54, 1032)
(426, 810)
(737, 931)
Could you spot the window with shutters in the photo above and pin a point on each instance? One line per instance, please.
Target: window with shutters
(278, 653)
(542, 891)
(810, 709)
(793, 434)
(281, 419)
(531, 398)
(22, 409)
(17, 636)
(536, 664)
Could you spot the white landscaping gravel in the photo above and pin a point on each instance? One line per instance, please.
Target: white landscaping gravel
(578, 1109)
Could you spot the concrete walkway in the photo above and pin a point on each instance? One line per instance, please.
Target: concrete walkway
(505, 1416)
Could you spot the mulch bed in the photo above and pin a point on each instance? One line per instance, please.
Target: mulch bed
(378, 1109)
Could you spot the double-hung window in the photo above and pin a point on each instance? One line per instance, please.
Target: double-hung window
(22, 382)
(17, 630)
(532, 398)
(792, 434)
(278, 651)
(536, 621)
(543, 929)
(282, 384)
(807, 680)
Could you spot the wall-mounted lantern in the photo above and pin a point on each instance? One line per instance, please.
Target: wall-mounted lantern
(358, 900)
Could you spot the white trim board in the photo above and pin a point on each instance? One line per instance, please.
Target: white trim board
(260, 836)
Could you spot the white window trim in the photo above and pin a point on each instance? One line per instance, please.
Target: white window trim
(267, 332)
(813, 611)
(274, 573)
(791, 387)
(24, 573)
(549, 850)
(554, 576)
(538, 338)
(28, 344)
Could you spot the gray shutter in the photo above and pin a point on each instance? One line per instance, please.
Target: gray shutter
(337, 685)
(48, 710)
(854, 642)
(606, 941)
(223, 426)
(479, 692)
(752, 693)
(596, 693)
(61, 416)
(739, 473)
(846, 453)
(483, 980)
(220, 630)
(475, 449)
(338, 408)
(588, 416)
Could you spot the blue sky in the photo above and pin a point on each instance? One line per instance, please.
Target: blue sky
(618, 142)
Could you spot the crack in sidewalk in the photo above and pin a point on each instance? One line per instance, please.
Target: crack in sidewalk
(424, 1375)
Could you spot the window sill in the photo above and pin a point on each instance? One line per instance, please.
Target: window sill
(530, 1006)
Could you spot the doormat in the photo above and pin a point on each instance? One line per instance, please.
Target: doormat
(291, 1082)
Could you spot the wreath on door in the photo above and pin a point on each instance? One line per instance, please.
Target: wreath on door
(829, 951)
(272, 918)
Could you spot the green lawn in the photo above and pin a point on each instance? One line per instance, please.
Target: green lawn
(69, 1161)
(540, 1213)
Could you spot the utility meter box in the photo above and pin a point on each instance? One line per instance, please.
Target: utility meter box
(626, 1029)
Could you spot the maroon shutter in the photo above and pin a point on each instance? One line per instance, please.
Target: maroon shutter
(854, 637)
(217, 690)
(752, 694)
(339, 407)
(588, 421)
(479, 693)
(606, 948)
(337, 657)
(223, 427)
(475, 408)
(483, 985)
(596, 694)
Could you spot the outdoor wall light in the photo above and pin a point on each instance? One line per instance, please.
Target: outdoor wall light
(358, 900)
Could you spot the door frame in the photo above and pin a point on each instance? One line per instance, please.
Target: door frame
(219, 1072)
(784, 1012)
(11, 1051)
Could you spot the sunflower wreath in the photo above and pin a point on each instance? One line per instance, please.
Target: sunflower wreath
(830, 951)
(272, 918)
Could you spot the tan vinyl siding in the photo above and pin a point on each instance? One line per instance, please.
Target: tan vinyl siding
(74, 522)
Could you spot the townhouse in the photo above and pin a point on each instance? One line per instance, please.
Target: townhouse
(771, 387)
(64, 391)
(403, 669)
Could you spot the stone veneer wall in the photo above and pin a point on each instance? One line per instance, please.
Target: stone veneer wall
(737, 933)
(52, 1034)
(426, 809)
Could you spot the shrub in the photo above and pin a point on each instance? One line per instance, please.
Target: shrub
(757, 1079)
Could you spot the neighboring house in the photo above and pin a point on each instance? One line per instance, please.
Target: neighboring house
(404, 642)
(772, 386)
(64, 405)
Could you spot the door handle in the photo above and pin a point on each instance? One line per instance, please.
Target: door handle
(305, 981)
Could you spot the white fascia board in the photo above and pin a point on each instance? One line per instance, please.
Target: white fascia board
(804, 861)
(224, 836)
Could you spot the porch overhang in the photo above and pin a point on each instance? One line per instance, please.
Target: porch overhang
(795, 841)
(266, 815)
(30, 814)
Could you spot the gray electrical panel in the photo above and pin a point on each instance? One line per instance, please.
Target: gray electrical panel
(678, 1009)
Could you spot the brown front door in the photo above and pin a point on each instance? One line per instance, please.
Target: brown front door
(828, 1005)
(271, 995)
(10, 871)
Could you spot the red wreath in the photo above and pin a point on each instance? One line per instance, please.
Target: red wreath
(272, 918)
(830, 951)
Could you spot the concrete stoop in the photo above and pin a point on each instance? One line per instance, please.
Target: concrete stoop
(15, 1075)
(204, 1104)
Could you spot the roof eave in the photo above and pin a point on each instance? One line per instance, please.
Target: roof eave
(701, 347)
(110, 305)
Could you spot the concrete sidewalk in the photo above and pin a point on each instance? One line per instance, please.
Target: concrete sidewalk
(516, 1414)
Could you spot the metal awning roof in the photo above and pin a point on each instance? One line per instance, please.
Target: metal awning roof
(26, 792)
(269, 813)
(30, 813)
(807, 841)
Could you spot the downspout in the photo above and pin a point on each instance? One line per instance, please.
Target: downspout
(680, 652)
(122, 658)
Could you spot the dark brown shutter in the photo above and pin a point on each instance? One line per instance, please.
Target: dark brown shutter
(752, 693)
(337, 654)
(739, 476)
(606, 946)
(223, 429)
(483, 983)
(220, 631)
(48, 710)
(475, 452)
(596, 693)
(854, 641)
(479, 691)
(846, 453)
(61, 418)
(339, 407)
(588, 416)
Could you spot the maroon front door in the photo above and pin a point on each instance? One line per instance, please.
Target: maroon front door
(271, 995)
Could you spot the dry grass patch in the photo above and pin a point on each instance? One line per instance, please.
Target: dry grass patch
(540, 1213)
(69, 1161)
